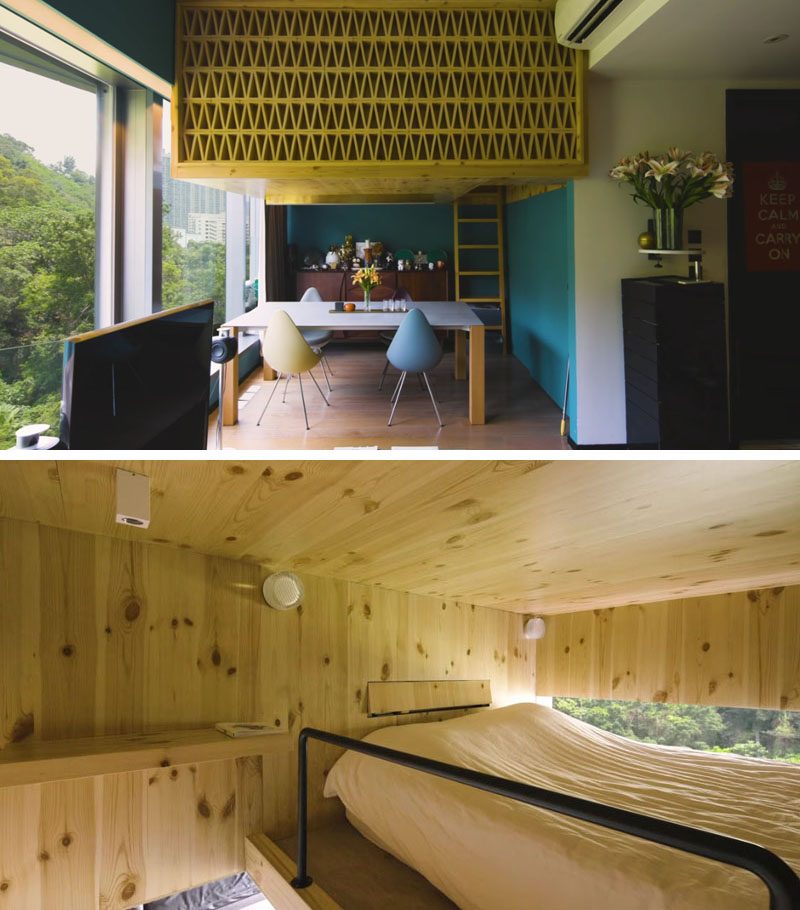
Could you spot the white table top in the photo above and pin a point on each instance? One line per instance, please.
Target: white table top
(442, 314)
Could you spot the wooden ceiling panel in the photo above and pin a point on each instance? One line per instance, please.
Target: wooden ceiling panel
(517, 535)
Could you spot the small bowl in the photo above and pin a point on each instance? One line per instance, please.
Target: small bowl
(349, 308)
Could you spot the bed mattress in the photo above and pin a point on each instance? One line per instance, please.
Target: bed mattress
(487, 852)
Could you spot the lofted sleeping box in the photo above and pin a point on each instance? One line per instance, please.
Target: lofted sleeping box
(471, 685)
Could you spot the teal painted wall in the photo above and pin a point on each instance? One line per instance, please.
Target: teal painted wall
(417, 227)
(541, 290)
(142, 29)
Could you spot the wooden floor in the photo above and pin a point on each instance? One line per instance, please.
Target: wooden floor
(519, 415)
(360, 876)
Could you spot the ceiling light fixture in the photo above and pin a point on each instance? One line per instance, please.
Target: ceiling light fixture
(283, 591)
(534, 627)
(775, 39)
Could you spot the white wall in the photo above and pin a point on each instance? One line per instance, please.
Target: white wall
(626, 117)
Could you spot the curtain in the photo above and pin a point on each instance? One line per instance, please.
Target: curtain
(277, 277)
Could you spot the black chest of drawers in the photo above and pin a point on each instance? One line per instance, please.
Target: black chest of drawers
(675, 364)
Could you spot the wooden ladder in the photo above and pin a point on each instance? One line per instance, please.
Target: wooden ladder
(481, 255)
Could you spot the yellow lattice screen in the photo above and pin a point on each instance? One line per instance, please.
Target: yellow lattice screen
(291, 91)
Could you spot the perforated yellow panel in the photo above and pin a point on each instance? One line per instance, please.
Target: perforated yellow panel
(422, 94)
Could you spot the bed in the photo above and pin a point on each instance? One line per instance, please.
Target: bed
(485, 852)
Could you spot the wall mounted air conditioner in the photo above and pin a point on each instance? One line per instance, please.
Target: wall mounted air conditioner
(585, 24)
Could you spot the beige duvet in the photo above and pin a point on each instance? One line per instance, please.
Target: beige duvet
(490, 853)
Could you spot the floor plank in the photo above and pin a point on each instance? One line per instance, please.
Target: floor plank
(519, 415)
(360, 876)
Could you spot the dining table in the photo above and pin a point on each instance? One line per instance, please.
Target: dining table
(452, 315)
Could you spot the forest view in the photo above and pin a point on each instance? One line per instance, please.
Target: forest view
(741, 731)
(47, 268)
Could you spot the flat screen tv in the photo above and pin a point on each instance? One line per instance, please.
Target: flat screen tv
(142, 384)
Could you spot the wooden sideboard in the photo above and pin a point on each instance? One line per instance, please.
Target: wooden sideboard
(336, 285)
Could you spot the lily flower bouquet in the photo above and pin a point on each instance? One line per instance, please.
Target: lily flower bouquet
(367, 279)
(671, 182)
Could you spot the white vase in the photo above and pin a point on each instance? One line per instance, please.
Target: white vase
(332, 259)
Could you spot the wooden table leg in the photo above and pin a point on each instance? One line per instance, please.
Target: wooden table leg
(268, 374)
(230, 404)
(460, 355)
(477, 374)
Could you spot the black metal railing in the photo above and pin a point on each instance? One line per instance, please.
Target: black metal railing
(782, 883)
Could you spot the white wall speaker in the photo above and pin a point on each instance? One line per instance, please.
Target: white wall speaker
(133, 499)
(283, 591)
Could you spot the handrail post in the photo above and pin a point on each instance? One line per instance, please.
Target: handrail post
(302, 879)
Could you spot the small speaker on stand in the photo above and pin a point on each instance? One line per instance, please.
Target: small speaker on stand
(223, 350)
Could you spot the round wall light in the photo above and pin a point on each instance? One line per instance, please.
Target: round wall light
(283, 591)
(534, 627)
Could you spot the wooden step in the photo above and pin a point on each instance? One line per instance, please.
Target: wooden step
(478, 220)
(478, 246)
(495, 272)
(480, 300)
(272, 870)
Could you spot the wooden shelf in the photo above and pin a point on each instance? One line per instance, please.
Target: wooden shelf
(671, 252)
(40, 762)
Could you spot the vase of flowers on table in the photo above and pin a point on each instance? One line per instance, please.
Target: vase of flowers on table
(367, 279)
(669, 183)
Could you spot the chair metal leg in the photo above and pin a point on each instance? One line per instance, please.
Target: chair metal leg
(383, 376)
(286, 387)
(303, 399)
(271, 395)
(318, 388)
(433, 400)
(399, 380)
(397, 399)
(325, 373)
(419, 377)
(327, 362)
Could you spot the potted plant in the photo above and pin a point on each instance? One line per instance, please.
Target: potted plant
(671, 182)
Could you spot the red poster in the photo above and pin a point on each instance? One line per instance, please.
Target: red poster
(772, 216)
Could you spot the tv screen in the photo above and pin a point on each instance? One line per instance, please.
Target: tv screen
(141, 384)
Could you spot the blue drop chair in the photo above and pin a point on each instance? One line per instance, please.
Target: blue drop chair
(317, 338)
(414, 349)
(400, 295)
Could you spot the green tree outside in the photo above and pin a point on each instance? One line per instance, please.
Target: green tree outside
(47, 251)
(740, 731)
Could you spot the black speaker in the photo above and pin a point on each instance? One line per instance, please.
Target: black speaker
(223, 348)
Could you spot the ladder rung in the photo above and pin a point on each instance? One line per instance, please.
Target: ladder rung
(481, 199)
(478, 220)
(479, 273)
(478, 246)
(496, 300)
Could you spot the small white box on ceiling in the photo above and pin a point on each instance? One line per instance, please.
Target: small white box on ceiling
(133, 499)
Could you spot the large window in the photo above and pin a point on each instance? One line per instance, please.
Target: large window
(48, 142)
(193, 238)
(741, 731)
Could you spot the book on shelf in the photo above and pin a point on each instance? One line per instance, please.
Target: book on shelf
(245, 728)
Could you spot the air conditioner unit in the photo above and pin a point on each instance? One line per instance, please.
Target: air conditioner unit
(585, 24)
